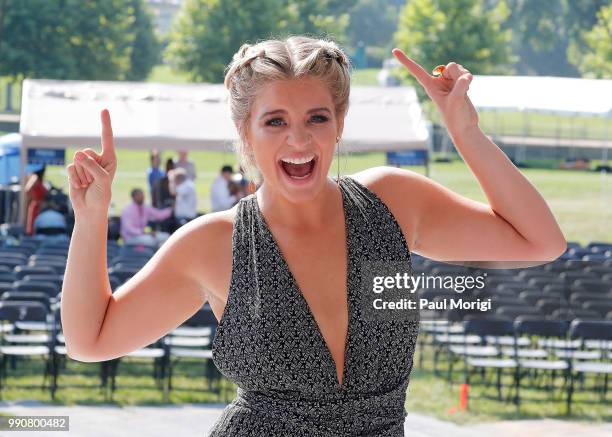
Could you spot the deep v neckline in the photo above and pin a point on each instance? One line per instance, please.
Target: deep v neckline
(302, 298)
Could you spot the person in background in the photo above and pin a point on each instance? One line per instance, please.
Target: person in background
(50, 221)
(154, 173)
(36, 192)
(162, 196)
(134, 219)
(249, 186)
(221, 197)
(184, 162)
(186, 203)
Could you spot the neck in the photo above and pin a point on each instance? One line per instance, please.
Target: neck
(309, 215)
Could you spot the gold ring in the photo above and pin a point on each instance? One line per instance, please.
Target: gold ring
(438, 70)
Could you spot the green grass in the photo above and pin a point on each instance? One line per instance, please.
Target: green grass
(545, 125)
(431, 394)
(80, 384)
(580, 200)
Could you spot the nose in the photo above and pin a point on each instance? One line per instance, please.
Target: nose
(299, 137)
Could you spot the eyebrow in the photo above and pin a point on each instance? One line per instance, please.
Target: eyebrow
(282, 111)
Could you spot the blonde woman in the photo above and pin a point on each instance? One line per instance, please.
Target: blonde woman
(281, 269)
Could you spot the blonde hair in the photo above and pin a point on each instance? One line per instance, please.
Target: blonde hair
(255, 65)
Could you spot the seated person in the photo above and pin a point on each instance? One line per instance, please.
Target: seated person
(186, 200)
(50, 221)
(221, 198)
(134, 219)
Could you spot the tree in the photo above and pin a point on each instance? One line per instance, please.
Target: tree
(373, 22)
(206, 33)
(543, 31)
(596, 60)
(32, 41)
(146, 47)
(468, 32)
(74, 39)
(465, 31)
(319, 18)
(100, 38)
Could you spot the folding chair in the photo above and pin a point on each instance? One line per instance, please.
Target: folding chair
(15, 311)
(183, 344)
(495, 328)
(590, 330)
(538, 359)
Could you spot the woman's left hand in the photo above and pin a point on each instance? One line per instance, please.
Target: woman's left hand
(448, 91)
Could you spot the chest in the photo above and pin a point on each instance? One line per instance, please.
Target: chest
(317, 264)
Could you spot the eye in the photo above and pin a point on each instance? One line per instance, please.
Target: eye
(320, 118)
(272, 121)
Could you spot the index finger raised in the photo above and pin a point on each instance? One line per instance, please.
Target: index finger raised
(108, 143)
(417, 71)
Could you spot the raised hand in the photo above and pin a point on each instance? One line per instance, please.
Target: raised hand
(448, 91)
(91, 175)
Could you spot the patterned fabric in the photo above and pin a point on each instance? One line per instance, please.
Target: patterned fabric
(270, 345)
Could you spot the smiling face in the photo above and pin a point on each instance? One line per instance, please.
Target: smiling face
(292, 132)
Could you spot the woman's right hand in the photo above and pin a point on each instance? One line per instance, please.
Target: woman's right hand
(90, 176)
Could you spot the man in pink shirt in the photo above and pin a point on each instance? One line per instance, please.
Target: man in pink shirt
(134, 218)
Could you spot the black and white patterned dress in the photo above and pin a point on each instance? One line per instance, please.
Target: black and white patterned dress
(270, 345)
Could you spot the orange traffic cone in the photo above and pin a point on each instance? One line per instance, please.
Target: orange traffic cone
(463, 396)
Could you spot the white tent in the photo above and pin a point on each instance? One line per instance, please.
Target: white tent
(542, 93)
(195, 117)
(59, 114)
(562, 96)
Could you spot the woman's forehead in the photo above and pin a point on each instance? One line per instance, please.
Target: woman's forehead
(294, 94)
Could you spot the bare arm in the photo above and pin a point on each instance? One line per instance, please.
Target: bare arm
(443, 225)
(86, 288)
(516, 225)
(99, 325)
(156, 300)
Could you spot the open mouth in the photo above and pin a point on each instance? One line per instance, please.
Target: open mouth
(299, 168)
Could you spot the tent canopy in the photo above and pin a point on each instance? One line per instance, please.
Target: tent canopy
(58, 114)
(561, 95)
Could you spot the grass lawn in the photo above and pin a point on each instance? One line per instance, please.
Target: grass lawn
(432, 395)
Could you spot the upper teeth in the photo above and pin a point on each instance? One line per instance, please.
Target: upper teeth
(298, 160)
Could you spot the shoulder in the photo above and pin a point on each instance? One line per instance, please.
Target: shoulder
(402, 191)
(211, 228)
(204, 245)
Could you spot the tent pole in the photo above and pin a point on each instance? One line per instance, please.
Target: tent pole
(23, 150)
